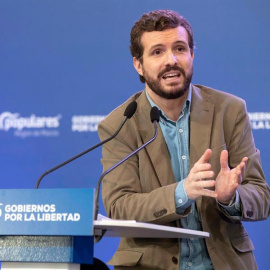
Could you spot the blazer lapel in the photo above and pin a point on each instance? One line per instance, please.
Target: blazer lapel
(201, 119)
(157, 150)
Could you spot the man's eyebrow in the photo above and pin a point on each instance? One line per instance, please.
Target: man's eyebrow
(175, 43)
(156, 46)
(181, 42)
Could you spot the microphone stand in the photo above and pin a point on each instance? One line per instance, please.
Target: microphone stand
(116, 165)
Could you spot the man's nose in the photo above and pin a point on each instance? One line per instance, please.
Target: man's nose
(171, 59)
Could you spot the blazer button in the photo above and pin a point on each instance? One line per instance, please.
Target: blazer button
(160, 213)
(174, 260)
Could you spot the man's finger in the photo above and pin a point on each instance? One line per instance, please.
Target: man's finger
(201, 167)
(224, 160)
(209, 193)
(207, 183)
(206, 156)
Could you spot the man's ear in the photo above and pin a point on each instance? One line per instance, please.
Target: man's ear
(137, 65)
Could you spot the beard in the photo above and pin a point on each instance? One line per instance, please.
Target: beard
(176, 90)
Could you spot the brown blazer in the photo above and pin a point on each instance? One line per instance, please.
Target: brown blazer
(142, 188)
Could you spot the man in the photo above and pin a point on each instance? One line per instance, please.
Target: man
(202, 172)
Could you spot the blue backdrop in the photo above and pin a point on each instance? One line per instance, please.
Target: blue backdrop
(64, 65)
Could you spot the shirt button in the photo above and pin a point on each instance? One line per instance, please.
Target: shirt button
(180, 200)
(189, 264)
(180, 130)
(184, 157)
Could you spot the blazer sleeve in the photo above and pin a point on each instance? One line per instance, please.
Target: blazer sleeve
(254, 191)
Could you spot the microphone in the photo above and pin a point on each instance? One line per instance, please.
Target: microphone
(154, 115)
(129, 111)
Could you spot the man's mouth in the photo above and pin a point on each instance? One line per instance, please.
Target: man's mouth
(171, 75)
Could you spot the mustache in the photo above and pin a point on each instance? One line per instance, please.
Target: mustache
(170, 68)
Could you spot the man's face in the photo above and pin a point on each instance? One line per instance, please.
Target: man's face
(167, 62)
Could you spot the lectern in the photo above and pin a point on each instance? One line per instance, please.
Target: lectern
(54, 229)
(46, 228)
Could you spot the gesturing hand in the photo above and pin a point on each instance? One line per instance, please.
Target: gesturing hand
(195, 186)
(228, 179)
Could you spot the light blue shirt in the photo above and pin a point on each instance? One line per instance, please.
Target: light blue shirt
(194, 254)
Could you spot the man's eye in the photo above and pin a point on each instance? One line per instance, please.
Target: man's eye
(180, 49)
(157, 52)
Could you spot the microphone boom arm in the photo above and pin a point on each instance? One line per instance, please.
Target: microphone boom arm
(116, 165)
(81, 154)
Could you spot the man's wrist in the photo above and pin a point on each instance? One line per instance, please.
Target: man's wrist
(229, 202)
(234, 206)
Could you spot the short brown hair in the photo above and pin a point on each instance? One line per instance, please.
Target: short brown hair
(157, 20)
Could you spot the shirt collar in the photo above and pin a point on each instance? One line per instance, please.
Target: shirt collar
(186, 107)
